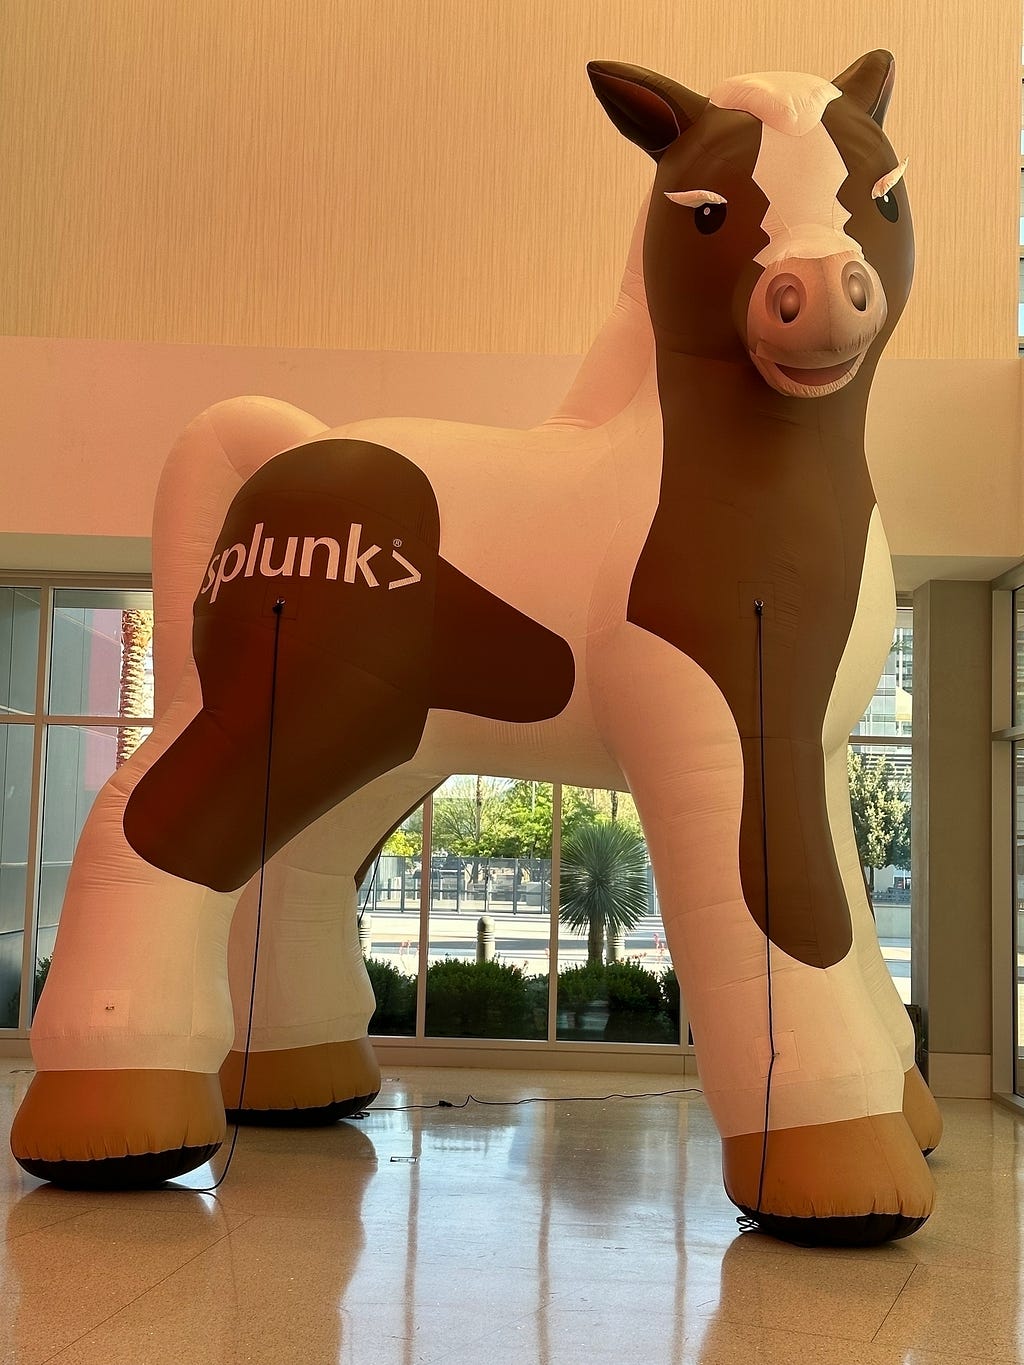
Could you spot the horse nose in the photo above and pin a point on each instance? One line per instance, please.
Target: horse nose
(787, 296)
(819, 304)
(857, 286)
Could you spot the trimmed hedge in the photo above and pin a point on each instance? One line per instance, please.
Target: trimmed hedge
(623, 1002)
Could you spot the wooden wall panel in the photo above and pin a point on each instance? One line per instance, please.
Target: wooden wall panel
(436, 174)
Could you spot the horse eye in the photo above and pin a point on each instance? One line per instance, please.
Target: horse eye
(709, 217)
(888, 207)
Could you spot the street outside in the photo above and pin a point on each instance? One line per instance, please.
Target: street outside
(523, 939)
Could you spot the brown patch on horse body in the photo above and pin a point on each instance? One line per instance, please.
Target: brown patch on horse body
(762, 510)
(353, 531)
(763, 497)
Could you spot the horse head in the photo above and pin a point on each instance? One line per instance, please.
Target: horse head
(779, 231)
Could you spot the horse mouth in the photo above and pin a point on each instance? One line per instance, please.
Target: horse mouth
(816, 378)
(801, 381)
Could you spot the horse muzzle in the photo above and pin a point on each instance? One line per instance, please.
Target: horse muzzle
(810, 322)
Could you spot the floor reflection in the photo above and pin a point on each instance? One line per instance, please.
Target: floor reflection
(546, 1234)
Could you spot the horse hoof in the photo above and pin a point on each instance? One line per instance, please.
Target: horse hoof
(921, 1112)
(300, 1087)
(142, 1172)
(856, 1182)
(102, 1130)
(864, 1230)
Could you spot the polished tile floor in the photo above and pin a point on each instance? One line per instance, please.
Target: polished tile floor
(538, 1234)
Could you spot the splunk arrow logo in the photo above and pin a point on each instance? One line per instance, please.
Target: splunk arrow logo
(258, 556)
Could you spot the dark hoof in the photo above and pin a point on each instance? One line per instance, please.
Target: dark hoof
(862, 1230)
(301, 1118)
(142, 1172)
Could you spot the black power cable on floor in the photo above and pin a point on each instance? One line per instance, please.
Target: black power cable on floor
(528, 1099)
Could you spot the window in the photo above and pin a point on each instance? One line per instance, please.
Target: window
(880, 793)
(76, 699)
(495, 967)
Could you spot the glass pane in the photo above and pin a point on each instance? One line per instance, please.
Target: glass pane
(16, 771)
(19, 649)
(490, 888)
(79, 759)
(1018, 918)
(612, 986)
(1018, 657)
(389, 927)
(101, 661)
(890, 709)
(880, 795)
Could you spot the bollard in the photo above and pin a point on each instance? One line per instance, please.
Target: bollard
(365, 928)
(616, 946)
(485, 939)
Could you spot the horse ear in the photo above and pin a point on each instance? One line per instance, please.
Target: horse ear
(868, 82)
(649, 109)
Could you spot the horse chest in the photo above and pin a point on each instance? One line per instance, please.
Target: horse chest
(790, 535)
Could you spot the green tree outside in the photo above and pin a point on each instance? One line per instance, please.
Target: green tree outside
(604, 883)
(880, 804)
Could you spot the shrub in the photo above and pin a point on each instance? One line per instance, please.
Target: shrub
(580, 986)
(10, 1019)
(632, 989)
(670, 991)
(395, 994)
(479, 1000)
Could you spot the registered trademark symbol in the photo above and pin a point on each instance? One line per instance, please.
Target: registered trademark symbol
(397, 544)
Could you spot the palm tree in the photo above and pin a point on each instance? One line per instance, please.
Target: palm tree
(136, 634)
(604, 883)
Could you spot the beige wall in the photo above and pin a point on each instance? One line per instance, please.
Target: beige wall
(89, 424)
(436, 174)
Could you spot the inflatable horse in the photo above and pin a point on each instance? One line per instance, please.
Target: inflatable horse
(703, 612)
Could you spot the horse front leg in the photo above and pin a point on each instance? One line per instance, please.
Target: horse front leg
(919, 1107)
(802, 1077)
(309, 1057)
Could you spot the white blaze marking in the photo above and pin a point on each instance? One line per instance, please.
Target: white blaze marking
(801, 178)
(788, 101)
(798, 167)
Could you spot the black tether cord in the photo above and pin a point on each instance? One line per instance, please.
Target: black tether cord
(278, 609)
(759, 612)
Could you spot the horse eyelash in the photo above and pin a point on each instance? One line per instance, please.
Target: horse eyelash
(695, 199)
(890, 181)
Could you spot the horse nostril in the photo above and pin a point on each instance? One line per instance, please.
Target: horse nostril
(787, 301)
(858, 291)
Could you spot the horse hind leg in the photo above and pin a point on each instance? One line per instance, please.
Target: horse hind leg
(135, 1016)
(309, 1059)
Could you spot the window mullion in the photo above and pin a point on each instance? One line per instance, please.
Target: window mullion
(35, 825)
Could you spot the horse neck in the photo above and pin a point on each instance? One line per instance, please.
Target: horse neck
(726, 409)
(613, 371)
